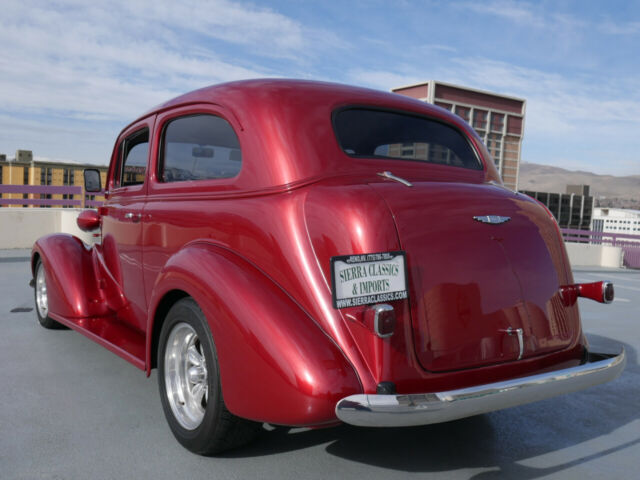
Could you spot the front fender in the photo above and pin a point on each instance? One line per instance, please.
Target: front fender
(276, 364)
(70, 274)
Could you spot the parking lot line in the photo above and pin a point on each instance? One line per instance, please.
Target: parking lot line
(617, 275)
(618, 285)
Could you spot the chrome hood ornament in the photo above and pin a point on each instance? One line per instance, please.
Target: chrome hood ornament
(493, 219)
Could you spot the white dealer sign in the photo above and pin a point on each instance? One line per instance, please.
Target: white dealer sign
(368, 278)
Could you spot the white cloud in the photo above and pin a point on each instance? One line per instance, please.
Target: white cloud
(528, 15)
(518, 12)
(619, 28)
(115, 59)
(94, 61)
(593, 119)
(382, 79)
(111, 61)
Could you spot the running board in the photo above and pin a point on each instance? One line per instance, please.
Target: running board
(112, 334)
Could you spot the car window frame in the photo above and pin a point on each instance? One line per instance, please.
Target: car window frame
(113, 186)
(161, 146)
(123, 147)
(478, 156)
(157, 189)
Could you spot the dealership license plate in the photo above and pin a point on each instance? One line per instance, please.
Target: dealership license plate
(368, 278)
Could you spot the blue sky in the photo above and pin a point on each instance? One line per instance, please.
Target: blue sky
(73, 73)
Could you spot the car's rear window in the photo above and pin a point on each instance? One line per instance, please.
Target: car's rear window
(371, 133)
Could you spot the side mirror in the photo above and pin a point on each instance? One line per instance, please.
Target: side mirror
(88, 220)
(92, 181)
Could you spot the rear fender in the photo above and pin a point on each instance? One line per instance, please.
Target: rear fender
(70, 274)
(276, 364)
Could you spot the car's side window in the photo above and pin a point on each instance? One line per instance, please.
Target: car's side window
(135, 150)
(199, 147)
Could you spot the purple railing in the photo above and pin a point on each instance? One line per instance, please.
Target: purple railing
(93, 203)
(76, 197)
(630, 244)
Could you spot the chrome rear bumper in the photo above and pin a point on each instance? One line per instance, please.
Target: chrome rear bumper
(369, 410)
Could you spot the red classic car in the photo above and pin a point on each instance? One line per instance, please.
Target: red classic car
(305, 253)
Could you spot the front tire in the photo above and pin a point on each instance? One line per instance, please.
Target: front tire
(189, 382)
(42, 298)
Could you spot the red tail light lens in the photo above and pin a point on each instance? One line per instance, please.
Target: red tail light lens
(381, 319)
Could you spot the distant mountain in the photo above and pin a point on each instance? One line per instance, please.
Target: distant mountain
(609, 191)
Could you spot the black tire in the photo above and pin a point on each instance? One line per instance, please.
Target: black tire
(42, 310)
(218, 430)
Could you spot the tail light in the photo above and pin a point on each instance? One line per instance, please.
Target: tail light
(381, 318)
(599, 291)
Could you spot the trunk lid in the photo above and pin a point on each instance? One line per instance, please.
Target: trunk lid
(469, 281)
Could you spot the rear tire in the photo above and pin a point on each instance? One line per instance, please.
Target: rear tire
(189, 382)
(42, 298)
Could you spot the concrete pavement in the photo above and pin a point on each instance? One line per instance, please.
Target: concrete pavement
(69, 409)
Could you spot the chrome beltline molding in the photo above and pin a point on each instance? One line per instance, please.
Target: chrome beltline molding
(371, 410)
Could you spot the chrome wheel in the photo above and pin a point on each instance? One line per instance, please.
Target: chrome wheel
(42, 301)
(185, 376)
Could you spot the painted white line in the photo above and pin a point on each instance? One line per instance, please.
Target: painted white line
(620, 299)
(617, 285)
(624, 277)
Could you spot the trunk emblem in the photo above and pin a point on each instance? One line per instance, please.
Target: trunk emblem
(493, 219)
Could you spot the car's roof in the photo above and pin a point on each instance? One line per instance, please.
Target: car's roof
(286, 129)
(265, 89)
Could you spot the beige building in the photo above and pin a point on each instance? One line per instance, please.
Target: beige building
(26, 171)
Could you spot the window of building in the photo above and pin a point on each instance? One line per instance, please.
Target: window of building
(45, 179)
(370, 133)
(25, 181)
(135, 153)
(199, 147)
(464, 113)
(68, 178)
(480, 119)
(497, 122)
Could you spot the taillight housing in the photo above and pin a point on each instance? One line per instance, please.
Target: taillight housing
(602, 292)
(381, 319)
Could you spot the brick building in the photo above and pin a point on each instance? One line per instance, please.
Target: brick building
(498, 119)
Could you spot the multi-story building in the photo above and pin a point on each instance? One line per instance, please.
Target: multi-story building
(23, 170)
(616, 220)
(498, 119)
(572, 209)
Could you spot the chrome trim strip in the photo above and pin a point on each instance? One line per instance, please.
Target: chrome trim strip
(371, 410)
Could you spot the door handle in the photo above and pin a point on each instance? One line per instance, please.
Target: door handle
(134, 217)
(520, 333)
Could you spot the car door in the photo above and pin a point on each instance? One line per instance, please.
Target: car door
(195, 162)
(122, 220)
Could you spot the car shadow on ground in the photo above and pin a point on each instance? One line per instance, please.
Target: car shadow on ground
(497, 440)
